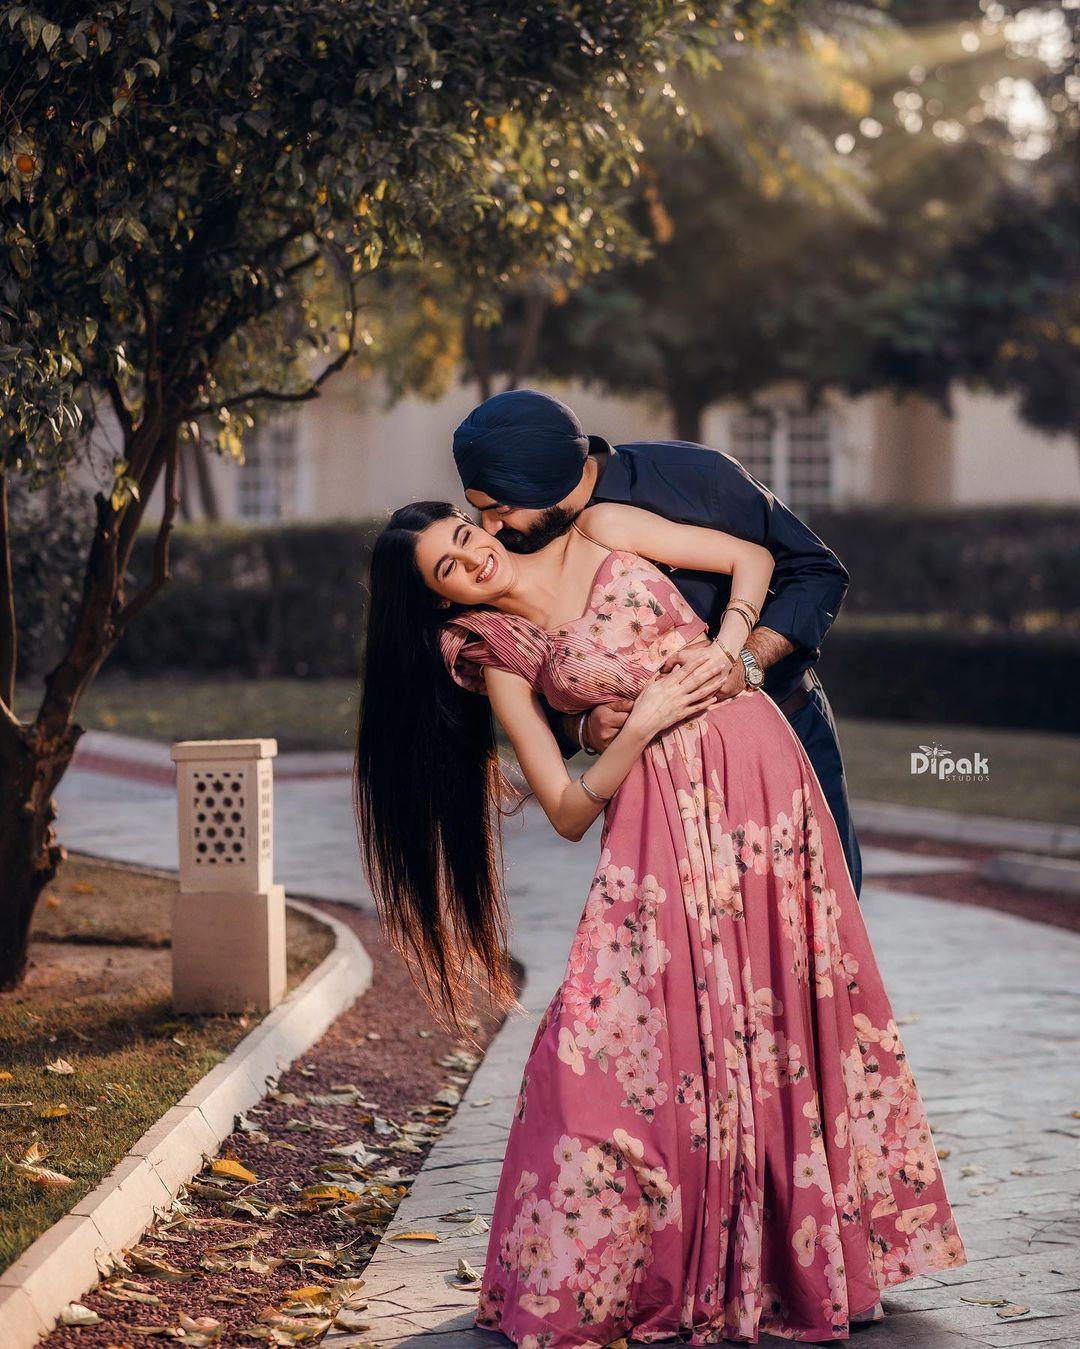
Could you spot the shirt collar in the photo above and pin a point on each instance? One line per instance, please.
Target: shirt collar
(613, 483)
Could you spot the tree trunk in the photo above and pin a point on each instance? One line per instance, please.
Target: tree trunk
(184, 472)
(35, 755)
(478, 351)
(29, 852)
(687, 411)
(205, 479)
(535, 308)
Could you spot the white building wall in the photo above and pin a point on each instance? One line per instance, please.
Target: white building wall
(998, 459)
(358, 457)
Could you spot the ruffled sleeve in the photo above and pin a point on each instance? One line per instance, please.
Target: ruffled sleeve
(480, 637)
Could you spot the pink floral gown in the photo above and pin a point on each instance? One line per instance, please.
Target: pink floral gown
(717, 1133)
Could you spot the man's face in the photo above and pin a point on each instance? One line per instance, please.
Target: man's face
(519, 529)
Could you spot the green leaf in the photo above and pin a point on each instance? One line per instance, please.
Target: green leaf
(50, 32)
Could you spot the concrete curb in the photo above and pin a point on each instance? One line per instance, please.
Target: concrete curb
(953, 826)
(141, 759)
(1058, 875)
(62, 1264)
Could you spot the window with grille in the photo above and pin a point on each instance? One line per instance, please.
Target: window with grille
(266, 488)
(790, 450)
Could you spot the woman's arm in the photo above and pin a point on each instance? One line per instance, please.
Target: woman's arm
(665, 700)
(693, 546)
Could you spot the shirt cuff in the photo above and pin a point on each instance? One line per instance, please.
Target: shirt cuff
(801, 623)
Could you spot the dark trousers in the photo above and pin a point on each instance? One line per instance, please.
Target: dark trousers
(814, 725)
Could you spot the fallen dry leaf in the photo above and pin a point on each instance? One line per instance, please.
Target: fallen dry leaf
(233, 1168)
(5, 1076)
(309, 1255)
(59, 1066)
(159, 1269)
(311, 1292)
(416, 1236)
(75, 1314)
(54, 1111)
(300, 1328)
(1012, 1309)
(335, 1194)
(43, 1176)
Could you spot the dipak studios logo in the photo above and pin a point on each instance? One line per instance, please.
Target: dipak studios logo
(940, 763)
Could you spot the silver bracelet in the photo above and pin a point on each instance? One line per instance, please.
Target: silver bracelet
(581, 733)
(603, 800)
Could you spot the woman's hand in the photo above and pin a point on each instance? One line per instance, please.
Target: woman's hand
(669, 698)
(711, 665)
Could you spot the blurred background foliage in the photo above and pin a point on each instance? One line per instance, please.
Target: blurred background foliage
(890, 201)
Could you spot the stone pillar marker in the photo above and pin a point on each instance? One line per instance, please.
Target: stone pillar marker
(228, 921)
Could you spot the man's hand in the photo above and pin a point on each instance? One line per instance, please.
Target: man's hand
(605, 722)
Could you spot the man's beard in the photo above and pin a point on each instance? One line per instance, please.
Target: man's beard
(550, 525)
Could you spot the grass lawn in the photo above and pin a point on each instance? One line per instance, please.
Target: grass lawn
(103, 1007)
(304, 714)
(1033, 774)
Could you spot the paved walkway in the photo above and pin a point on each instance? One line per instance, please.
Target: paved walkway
(991, 1012)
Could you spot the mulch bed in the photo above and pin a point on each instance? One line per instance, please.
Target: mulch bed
(1038, 906)
(382, 1060)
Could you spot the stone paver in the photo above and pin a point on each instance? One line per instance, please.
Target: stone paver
(991, 1012)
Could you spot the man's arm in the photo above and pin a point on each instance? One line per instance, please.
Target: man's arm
(809, 581)
(564, 729)
(767, 647)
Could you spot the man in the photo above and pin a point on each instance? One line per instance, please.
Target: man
(528, 467)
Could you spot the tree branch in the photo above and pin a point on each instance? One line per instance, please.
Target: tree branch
(160, 573)
(263, 395)
(478, 348)
(123, 416)
(535, 309)
(8, 632)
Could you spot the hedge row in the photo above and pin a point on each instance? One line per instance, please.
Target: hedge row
(289, 600)
(977, 679)
(283, 600)
(995, 562)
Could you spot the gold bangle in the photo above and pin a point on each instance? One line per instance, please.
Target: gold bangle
(749, 604)
(745, 618)
(726, 652)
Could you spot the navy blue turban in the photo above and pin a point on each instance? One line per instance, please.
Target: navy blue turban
(522, 448)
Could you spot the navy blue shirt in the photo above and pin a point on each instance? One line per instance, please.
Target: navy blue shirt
(696, 485)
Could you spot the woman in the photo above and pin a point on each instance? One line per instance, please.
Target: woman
(717, 1134)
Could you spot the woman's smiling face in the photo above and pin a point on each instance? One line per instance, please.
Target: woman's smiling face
(464, 563)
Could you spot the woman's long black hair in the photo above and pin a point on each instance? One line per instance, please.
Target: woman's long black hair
(428, 788)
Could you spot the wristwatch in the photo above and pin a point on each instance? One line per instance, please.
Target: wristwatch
(755, 675)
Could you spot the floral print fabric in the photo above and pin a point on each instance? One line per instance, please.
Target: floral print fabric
(717, 1133)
